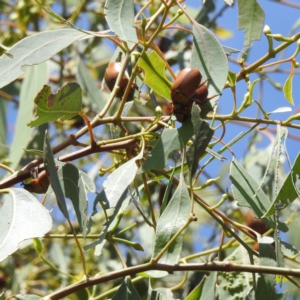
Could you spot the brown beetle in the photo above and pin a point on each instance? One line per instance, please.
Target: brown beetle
(111, 75)
(39, 185)
(200, 95)
(185, 85)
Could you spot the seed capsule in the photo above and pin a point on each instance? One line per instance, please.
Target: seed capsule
(185, 85)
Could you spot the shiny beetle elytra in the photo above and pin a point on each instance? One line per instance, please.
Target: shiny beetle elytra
(185, 85)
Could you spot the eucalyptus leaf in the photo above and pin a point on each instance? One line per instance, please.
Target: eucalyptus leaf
(251, 19)
(35, 78)
(209, 57)
(118, 181)
(170, 222)
(126, 291)
(290, 189)
(155, 77)
(203, 134)
(120, 18)
(51, 171)
(266, 282)
(19, 207)
(34, 50)
(247, 193)
(206, 289)
(288, 87)
(69, 180)
(90, 87)
(65, 104)
(26, 297)
(171, 139)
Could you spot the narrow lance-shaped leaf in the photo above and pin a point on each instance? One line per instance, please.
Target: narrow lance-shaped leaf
(34, 50)
(266, 282)
(22, 217)
(234, 285)
(290, 189)
(170, 222)
(288, 87)
(120, 18)
(206, 289)
(118, 181)
(65, 104)
(203, 134)
(51, 171)
(251, 19)
(89, 85)
(247, 192)
(208, 56)
(126, 291)
(155, 77)
(171, 139)
(69, 179)
(35, 78)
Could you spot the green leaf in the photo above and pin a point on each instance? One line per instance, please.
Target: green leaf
(120, 18)
(110, 224)
(170, 222)
(27, 297)
(167, 193)
(203, 134)
(171, 139)
(69, 179)
(33, 50)
(118, 181)
(288, 192)
(65, 104)
(126, 291)
(266, 282)
(232, 78)
(209, 57)
(22, 217)
(288, 87)
(89, 86)
(206, 289)
(246, 191)
(3, 114)
(35, 146)
(51, 171)
(251, 19)
(235, 285)
(155, 77)
(35, 78)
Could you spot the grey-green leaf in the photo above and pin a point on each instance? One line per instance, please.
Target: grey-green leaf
(35, 78)
(209, 57)
(89, 86)
(19, 207)
(251, 19)
(290, 189)
(126, 291)
(171, 139)
(266, 282)
(246, 191)
(203, 134)
(120, 18)
(51, 171)
(69, 179)
(33, 50)
(170, 222)
(206, 289)
(118, 181)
